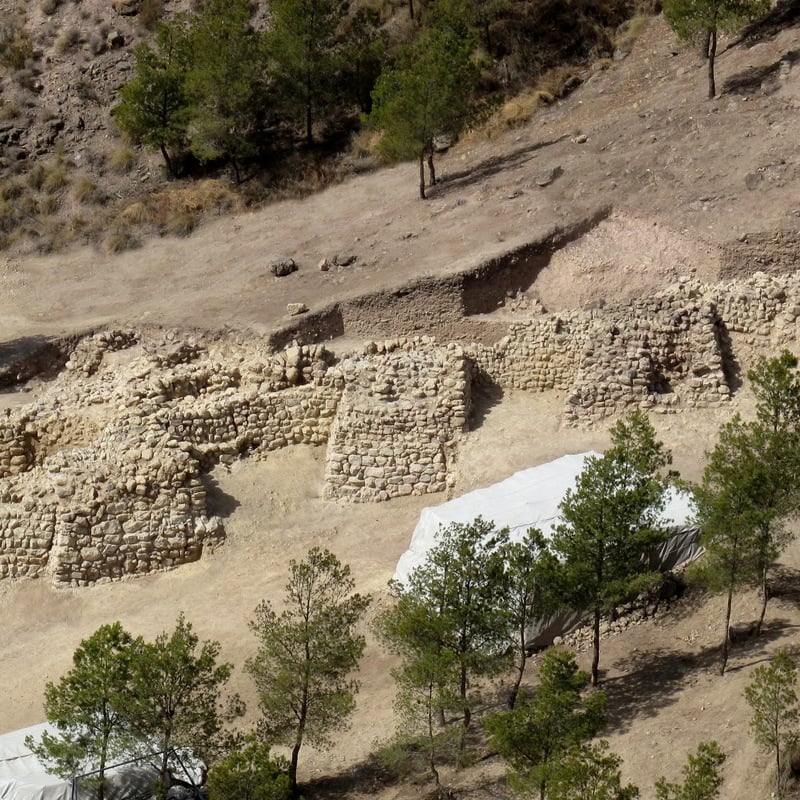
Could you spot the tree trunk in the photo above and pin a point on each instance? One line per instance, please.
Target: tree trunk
(596, 647)
(523, 660)
(712, 52)
(487, 36)
(778, 776)
(167, 161)
(101, 789)
(726, 637)
(293, 767)
(764, 601)
(431, 169)
(432, 739)
(421, 176)
(706, 44)
(411, 14)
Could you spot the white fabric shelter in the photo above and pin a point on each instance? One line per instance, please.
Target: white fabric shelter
(530, 499)
(22, 775)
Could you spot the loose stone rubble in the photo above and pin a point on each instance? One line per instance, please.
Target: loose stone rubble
(103, 475)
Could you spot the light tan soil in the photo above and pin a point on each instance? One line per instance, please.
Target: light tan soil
(668, 165)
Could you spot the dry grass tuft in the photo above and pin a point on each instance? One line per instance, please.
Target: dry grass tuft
(629, 32)
(67, 40)
(12, 189)
(9, 110)
(83, 188)
(48, 203)
(181, 223)
(55, 176)
(138, 213)
(122, 239)
(123, 159)
(514, 113)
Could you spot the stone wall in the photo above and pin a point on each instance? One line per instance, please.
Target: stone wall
(404, 404)
(102, 476)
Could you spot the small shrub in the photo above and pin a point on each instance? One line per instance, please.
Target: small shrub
(67, 40)
(77, 224)
(120, 240)
(55, 176)
(558, 81)
(181, 223)
(12, 189)
(48, 203)
(123, 159)
(36, 176)
(27, 205)
(628, 33)
(49, 6)
(9, 110)
(83, 188)
(16, 46)
(137, 213)
(8, 217)
(150, 13)
(25, 78)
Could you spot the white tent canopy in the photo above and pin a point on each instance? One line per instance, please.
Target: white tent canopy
(22, 775)
(530, 499)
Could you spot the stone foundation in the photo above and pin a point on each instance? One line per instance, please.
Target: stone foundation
(101, 476)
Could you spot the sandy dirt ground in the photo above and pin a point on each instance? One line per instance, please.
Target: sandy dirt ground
(668, 165)
(668, 162)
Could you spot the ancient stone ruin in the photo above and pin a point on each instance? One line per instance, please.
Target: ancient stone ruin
(102, 475)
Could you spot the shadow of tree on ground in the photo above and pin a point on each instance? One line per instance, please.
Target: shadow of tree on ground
(653, 680)
(491, 166)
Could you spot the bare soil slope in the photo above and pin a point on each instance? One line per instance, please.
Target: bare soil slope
(677, 183)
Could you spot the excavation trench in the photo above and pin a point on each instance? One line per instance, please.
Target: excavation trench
(449, 308)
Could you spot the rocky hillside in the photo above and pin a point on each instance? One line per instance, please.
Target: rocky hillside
(67, 175)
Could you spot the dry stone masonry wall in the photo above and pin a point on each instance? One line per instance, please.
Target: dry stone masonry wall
(102, 475)
(403, 406)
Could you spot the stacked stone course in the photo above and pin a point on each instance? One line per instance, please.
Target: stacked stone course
(102, 476)
(398, 420)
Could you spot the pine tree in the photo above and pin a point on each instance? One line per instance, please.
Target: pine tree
(610, 521)
(771, 695)
(154, 107)
(696, 19)
(307, 654)
(426, 94)
(88, 707)
(542, 729)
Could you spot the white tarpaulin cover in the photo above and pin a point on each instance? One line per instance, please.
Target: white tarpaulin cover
(22, 775)
(530, 499)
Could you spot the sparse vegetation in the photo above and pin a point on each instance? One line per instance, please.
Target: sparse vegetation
(123, 159)
(772, 696)
(67, 40)
(703, 20)
(150, 12)
(83, 188)
(16, 47)
(307, 654)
